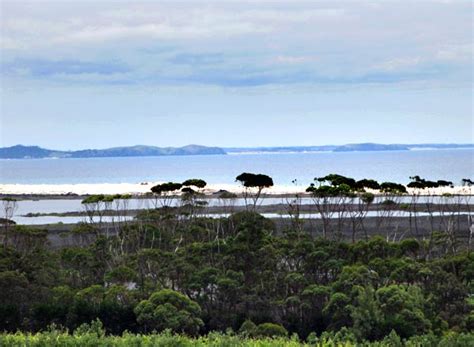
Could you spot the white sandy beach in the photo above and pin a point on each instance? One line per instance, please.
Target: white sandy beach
(122, 188)
(143, 188)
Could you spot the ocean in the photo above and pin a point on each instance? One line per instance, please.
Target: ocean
(395, 166)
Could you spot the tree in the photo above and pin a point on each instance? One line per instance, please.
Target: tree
(386, 207)
(121, 204)
(432, 199)
(195, 182)
(190, 196)
(420, 183)
(403, 310)
(338, 311)
(227, 201)
(168, 309)
(393, 188)
(336, 180)
(13, 293)
(257, 181)
(366, 315)
(97, 206)
(87, 303)
(9, 206)
(314, 299)
(368, 183)
(332, 198)
(166, 192)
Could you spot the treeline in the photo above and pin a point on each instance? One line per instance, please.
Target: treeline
(195, 275)
(342, 204)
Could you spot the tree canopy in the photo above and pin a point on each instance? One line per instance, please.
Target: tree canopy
(251, 180)
(168, 309)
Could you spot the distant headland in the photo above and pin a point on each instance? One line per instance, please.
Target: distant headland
(36, 152)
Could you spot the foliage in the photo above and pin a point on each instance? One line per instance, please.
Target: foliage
(271, 330)
(196, 182)
(92, 336)
(393, 188)
(421, 183)
(200, 275)
(165, 188)
(248, 328)
(167, 309)
(250, 180)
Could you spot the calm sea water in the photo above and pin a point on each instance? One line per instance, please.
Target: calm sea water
(383, 166)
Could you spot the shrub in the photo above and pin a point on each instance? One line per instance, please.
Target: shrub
(271, 330)
(248, 328)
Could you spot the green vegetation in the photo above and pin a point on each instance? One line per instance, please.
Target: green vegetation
(199, 275)
(167, 309)
(169, 278)
(94, 336)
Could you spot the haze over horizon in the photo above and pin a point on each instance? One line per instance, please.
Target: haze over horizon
(103, 74)
(469, 145)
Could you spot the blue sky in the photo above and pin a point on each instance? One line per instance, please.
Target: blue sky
(166, 73)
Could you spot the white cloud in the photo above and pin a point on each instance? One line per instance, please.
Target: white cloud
(398, 63)
(332, 38)
(294, 59)
(456, 53)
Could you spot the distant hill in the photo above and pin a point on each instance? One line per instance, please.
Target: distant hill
(35, 152)
(355, 147)
(364, 147)
(287, 149)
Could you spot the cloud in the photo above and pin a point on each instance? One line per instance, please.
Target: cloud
(48, 69)
(238, 44)
(456, 53)
(292, 59)
(197, 59)
(398, 63)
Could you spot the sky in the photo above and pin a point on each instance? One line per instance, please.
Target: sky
(98, 74)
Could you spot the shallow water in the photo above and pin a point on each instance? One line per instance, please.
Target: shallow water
(74, 205)
(73, 220)
(43, 220)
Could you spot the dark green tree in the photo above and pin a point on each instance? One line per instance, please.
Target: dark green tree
(168, 309)
(256, 181)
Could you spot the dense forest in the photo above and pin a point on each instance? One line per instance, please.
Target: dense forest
(187, 274)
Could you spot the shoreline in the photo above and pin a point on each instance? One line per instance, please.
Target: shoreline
(141, 189)
(135, 189)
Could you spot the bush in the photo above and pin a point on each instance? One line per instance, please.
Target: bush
(271, 330)
(168, 309)
(248, 328)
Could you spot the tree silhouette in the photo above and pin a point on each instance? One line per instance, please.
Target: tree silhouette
(332, 198)
(393, 188)
(467, 182)
(190, 197)
(9, 206)
(257, 181)
(337, 180)
(166, 192)
(368, 183)
(195, 182)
